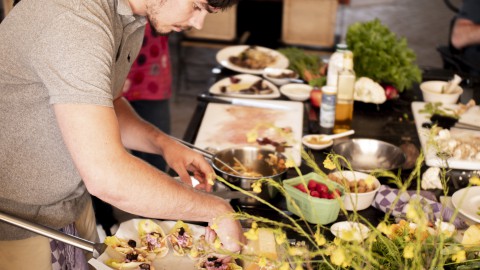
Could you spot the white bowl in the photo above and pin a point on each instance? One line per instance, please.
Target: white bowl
(306, 140)
(296, 91)
(356, 231)
(358, 201)
(274, 75)
(432, 92)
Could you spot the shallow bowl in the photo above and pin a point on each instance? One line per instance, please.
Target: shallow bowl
(357, 200)
(366, 155)
(296, 91)
(279, 76)
(432, 92)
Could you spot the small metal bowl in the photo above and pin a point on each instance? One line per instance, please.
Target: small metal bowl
(253, 158)
(366, 155)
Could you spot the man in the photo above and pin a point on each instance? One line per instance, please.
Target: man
(64, 126)
(466, 34)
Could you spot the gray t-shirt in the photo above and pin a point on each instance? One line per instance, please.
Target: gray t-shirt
(51, 52)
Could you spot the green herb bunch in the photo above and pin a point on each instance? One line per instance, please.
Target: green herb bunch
(309, 66)
(382, 56)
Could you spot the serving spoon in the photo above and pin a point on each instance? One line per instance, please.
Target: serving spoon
(324, 137)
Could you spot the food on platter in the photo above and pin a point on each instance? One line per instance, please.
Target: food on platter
(181, 238)
(212, 262)
(152, 237)
(252, 58)
(126, 255)
(359, 186)
(461, 147)
(259, 87)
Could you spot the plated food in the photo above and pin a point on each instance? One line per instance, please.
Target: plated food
(142, 244)
(251, 59)
(245, 86)
(360, 188)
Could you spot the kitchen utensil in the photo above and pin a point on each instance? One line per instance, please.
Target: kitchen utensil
(366, 155)
(323, 140)
(96, 248)
(243, 102)
(254, 159)
(205, 154)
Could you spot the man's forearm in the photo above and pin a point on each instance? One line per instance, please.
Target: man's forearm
(465, 33)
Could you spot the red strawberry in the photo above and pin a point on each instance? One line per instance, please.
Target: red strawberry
(312, 185)
(322, 188)
(301, 187)
(323, 195)
(315, 194)
(336, 193)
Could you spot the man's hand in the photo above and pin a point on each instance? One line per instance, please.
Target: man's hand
(228, 230)
(182, 160)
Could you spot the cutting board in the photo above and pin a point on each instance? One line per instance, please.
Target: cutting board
(430, 154)
(226, 125)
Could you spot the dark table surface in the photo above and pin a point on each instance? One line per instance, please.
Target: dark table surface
(392, 122)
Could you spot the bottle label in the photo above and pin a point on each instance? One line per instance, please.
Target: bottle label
(327, 110)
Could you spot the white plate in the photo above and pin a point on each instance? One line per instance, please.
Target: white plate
(244, 79)
(360, 231)
(467, 201)
(224, 55)
(431, 158)
(129, 230)
(315, 146)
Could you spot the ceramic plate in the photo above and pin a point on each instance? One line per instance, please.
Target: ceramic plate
(307, 138)
(223, 58)
(467, 201)
(359, 230)
(244, 81)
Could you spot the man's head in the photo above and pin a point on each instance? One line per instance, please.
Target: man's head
(166, 16)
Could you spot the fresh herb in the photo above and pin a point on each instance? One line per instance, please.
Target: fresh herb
(435, 108)
(309, 66)
(381, 56)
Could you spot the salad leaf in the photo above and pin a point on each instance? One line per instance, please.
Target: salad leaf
(382, 56)
(309, 66)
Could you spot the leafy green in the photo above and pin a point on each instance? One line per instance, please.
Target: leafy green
(381, 56)
(308, 66)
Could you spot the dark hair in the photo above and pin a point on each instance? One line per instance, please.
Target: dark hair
(222, 4)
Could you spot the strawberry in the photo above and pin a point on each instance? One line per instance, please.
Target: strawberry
(312, 185)
(322, 188)
(315, 194)
(301, 187)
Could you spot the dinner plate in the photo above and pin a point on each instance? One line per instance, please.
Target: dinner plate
(244, 79)
(467, 201)
(224, 55)
(350, 231)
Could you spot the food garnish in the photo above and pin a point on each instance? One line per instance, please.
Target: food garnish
(181, 238)
(253, 58)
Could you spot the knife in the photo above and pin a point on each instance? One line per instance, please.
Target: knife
(243, 102)
(96, 248)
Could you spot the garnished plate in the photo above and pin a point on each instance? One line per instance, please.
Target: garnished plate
(245, 86)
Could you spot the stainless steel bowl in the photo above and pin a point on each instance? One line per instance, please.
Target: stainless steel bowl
(367, 155)
(253, 158)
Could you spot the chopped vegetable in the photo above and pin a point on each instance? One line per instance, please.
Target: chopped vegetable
(309, 66)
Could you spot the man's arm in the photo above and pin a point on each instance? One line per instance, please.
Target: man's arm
(109, 172)
(465, 33)
(140, 135)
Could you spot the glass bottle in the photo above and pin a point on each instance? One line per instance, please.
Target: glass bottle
(345, 90)
(335, 64)
(327, 108)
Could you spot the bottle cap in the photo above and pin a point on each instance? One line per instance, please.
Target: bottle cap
(342, 46)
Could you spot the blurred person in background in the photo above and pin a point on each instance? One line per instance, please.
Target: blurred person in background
(465, 34)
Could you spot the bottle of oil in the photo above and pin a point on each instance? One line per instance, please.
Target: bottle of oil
(345, 89)
(335, 64)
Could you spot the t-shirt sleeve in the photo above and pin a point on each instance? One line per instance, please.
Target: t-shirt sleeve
(470, 10)
(73, 58)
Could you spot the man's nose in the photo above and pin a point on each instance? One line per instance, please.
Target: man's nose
(198, 19)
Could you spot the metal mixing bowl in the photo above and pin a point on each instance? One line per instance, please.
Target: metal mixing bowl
(367, 155)
(254, 159)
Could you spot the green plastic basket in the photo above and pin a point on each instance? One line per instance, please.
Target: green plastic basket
(315, 210)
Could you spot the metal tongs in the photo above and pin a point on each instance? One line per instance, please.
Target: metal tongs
(96, 248)
(206, 154)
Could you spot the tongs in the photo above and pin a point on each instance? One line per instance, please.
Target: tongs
(206, 154)
(96, 248)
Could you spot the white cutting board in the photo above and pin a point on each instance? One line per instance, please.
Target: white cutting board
(430, 154)
(226, 125)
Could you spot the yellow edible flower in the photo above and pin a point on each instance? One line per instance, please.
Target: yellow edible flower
(252, 136)
(319, 238)
(408, 251)
(257, 187)
(327, 163)
(251, 234)
(460, 256)
(280, 237)
(285, 266)
(369, 181)
(217, 244)
(210, 179)
(290, 163)
(214, 226)
(299, 267)
(384, 228)
(475, 180)
(338, 256)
